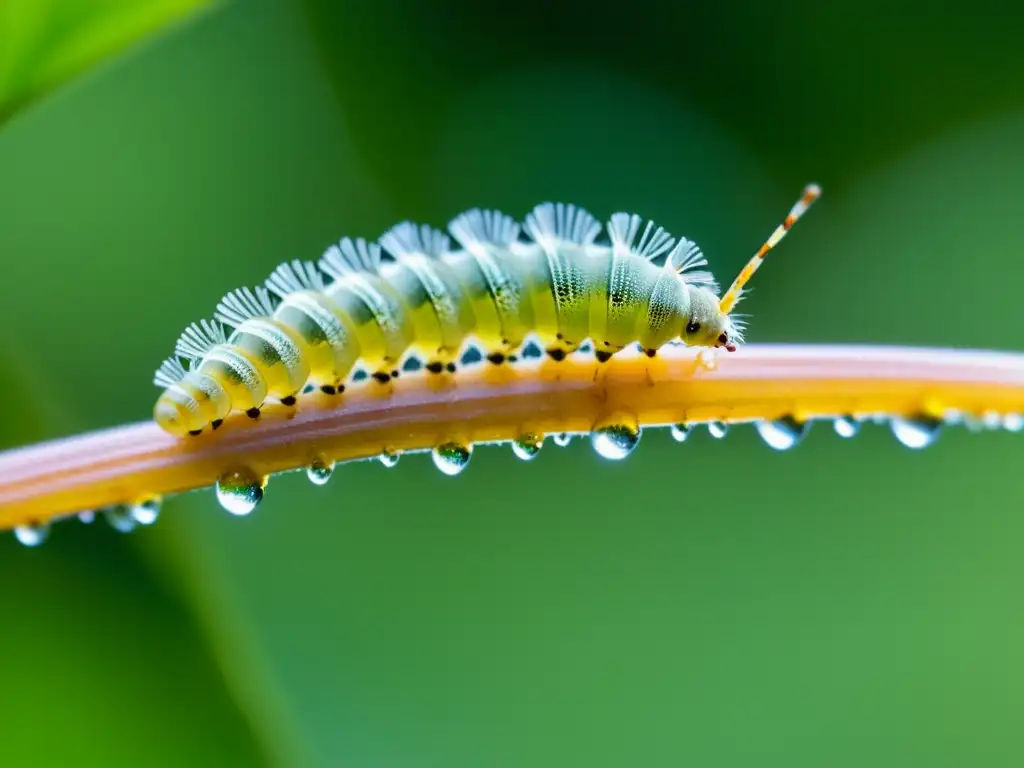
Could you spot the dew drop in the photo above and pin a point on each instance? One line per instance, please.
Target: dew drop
(916, 431)
(147, 511)
(973, 423)
(389, 458)
(452, 458)
(615, 441)
(953, 416)
(87, 516)
(718, 429)
(562, 439)
(320, 471)
(992, 420)
(679, 432)
(240, 491)
(527, 446)
(32, 535)
(846, 426)
(783, 434)
(120, 518)
(1013, 422)
(708, 359)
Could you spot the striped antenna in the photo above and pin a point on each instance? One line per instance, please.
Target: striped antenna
(811, 193)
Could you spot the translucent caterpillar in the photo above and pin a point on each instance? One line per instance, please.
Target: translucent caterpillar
(375, 305)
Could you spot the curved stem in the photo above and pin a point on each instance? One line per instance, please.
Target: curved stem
(486, 403)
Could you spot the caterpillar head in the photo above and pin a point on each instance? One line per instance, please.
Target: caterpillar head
(707, 325)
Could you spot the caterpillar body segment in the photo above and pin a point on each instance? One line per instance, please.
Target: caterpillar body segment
(495, 279)
(430, 291)
(566, 273)
(383, 325)
(418, 294)
(328, 334)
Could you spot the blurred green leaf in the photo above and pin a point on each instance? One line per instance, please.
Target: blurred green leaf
(713, 603)
(223, 163)
(105, 665)
(44, 43)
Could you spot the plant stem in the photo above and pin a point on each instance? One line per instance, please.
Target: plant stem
(488, 403)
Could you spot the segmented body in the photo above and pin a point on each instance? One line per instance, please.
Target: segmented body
(374, 305)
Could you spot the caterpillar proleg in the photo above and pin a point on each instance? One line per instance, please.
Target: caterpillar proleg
(412, 295)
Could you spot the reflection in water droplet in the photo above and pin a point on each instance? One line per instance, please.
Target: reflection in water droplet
(120, 518)
(951, 416)
(718, 429)
(562, 439)
(992, 420)
(615, 441)
(917, 431)
(87, 516)
(240, 491)
(1013, 422)
(973, 423)
(679, 432)
(146, 511)
(32, 535)
(389, 458)
(846, 426)
(527, 446)
(783, 434)
(452, 458)
(320, 471)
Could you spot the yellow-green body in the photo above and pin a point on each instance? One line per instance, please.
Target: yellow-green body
(429, 301)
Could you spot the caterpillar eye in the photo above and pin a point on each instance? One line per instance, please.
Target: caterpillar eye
(692, 327)
(723, 338)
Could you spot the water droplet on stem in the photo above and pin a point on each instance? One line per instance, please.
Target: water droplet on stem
(32, 535)
(846, 426)
(615, 441)
(120, 518)
(916, 431)
(527, 446)
(783, 434)
(147, 511)
(389, 458)
(320, 471)
(679, 432)
(708, 359)
(240, 491)
(718, 429)
(452, 458)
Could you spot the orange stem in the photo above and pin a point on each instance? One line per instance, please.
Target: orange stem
(486, 403)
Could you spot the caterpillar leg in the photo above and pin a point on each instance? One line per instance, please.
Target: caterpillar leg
(440, 360)
(605, 350)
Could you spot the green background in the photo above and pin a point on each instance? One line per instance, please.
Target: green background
(716, 603)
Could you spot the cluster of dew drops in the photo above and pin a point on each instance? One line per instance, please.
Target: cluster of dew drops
(240, 491)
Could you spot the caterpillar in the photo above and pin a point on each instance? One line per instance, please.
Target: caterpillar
(375, 305)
